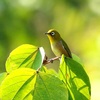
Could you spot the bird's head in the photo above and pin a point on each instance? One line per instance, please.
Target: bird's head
(53, 35)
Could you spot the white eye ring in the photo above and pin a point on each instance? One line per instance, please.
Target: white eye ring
(52, 33)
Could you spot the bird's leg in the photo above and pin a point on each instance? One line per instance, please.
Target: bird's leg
(52, 59)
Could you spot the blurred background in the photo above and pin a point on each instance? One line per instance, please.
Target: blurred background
(78, 22)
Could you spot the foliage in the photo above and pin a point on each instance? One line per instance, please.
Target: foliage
(27, 79)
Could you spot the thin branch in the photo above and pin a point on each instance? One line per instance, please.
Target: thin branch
(47, 61)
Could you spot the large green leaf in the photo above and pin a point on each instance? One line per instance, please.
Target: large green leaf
(76, 79)
(25, 56)
(18, 85)
(49, 87)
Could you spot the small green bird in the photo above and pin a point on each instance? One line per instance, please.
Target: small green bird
(58, 45)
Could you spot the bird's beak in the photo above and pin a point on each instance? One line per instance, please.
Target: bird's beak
(46, 33)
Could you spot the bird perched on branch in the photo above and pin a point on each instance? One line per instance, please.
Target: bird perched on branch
(58, 45)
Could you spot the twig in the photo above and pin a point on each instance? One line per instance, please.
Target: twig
(47, 61)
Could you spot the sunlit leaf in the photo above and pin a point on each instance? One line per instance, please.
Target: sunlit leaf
(25, 56)
(49, 71)
(63, 70)
(76, 78)
(18, 85)
(49, 87)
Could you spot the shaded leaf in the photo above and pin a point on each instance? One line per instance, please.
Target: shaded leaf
(18, 85)
(25, 56)
(2, 76)
(39, 58)
(49, 87)
(77, 59)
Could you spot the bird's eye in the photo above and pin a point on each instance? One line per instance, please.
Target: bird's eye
(52, 33)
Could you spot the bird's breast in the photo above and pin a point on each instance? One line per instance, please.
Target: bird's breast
(58, 48)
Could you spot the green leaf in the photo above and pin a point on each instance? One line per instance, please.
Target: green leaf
(49, 87)
(25, 56)
(63, 70)
(49, 71)
(39, 58)
(77, 59)
(2, 76)
(76, 78)
(18, 85)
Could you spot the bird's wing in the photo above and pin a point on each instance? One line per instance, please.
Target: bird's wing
(67, 48)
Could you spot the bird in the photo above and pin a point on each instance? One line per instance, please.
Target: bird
(58, 45)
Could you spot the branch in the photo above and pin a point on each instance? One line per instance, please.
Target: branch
(47, 61)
